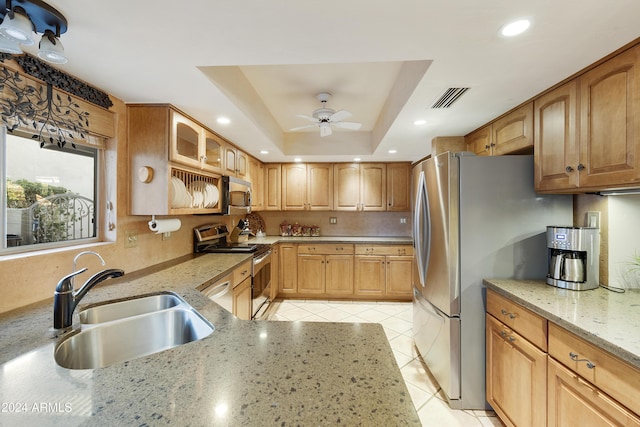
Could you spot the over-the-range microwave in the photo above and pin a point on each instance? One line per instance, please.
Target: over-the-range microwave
(236, 196)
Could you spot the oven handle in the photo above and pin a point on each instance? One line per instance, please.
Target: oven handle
(257, 261)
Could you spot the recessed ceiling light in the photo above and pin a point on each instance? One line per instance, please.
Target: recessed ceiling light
(223, 120)
(392, 151)
(516, 27)
(264, 152)
(357, 159)
(297, 159)
(420, 122)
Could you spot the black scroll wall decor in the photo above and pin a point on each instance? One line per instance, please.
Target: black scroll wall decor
(53, 119)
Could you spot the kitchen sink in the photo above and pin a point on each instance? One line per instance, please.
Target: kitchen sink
(109, 311)
(128, 329)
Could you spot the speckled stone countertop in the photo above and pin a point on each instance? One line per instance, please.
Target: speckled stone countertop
(607, 319)
(254, 373)
(335, 239)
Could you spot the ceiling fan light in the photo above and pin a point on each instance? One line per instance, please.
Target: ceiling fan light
(52, 51)
(18, 28)
(9, 46)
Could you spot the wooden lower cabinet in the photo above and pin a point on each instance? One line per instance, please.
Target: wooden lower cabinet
(572, 401)
(370, 275)
(242, 300)
(516, 376)
(326, 270)
(288, 267)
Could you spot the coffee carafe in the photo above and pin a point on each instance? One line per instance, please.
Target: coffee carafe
(574, 254)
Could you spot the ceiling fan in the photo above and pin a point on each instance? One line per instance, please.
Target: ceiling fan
(325, 118)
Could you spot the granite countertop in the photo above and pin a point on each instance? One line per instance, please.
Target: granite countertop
(607, 319)
(244, 373)
(335, 239)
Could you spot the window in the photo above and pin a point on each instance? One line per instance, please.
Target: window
(49, 194)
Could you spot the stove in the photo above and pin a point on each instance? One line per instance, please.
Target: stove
(212, 238)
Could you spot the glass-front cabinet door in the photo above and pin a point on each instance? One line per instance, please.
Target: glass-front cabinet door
(193, 145)
(213, 154)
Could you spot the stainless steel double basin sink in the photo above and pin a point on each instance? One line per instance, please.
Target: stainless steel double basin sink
(114, 332)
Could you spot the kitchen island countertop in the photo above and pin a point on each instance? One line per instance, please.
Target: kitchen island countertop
(607, 319)
(244, 373)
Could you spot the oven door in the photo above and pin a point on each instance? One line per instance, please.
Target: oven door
(261, 284)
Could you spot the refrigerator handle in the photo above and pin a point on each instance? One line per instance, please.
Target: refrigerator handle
(419, 220)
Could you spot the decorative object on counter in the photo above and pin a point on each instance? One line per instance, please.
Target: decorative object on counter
(315, 231)
(285, 229)
(255, 223)
(164, 225)
(296, 230)
(306, 231)
(240, 233)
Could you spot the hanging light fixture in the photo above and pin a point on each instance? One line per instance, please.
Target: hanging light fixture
(21, 18)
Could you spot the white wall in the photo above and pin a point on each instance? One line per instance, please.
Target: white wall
(624, 240)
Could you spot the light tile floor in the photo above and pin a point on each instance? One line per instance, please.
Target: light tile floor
(396, 319)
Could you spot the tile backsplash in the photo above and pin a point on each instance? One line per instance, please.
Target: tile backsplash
(347, 223)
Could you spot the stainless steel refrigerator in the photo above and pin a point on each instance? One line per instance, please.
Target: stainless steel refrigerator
(475, 217)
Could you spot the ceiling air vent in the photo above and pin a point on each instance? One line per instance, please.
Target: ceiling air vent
(449, 96)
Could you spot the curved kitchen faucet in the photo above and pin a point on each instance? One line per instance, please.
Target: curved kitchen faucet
(65, 299)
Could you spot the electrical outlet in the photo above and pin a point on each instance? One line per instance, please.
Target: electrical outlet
(333, 220)
(166, 236)
(403, 220)
(130, 239)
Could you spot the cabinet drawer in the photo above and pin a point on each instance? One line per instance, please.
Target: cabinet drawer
(384, 250)
(326, 249)
(573, 401)
(610, 374)
(525, 322)
(241, 272)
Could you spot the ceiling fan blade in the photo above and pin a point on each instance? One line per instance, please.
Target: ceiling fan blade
(325, 130)
(311, 119)
(302, 127)
(339, 115)
(348, 125)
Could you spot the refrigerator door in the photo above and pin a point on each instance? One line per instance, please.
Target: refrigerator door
(442, 273)
(437, 338)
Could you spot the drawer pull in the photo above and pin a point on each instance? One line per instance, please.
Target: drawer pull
(575, 358)
(503, 334)
(506, 313)
(511, 338)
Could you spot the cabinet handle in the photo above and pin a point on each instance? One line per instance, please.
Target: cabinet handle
(568, 169)
(244, 272)
(580, 166)
(506, 313)
(493, 144)
(511, 338)
(503, 334)
(575, 358)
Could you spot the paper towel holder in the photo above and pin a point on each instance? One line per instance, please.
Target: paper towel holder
(156, 227)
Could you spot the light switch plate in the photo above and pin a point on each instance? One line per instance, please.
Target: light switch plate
(593, 219)
(130, 239)
(333, 220)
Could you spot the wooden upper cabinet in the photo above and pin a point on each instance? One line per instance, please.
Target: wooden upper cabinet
(360, 187)
(256, 177)
(555, 139)
(373, 189)
(236, 162)
(272, 187)
(398, 187)
(193, 145)
(307, 186)
(513, 132)
(294, 187)
(587, 131)
(320, 186)
(480, 141)
(610, 122)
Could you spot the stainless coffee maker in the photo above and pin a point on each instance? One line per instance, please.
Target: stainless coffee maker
(574, 254)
